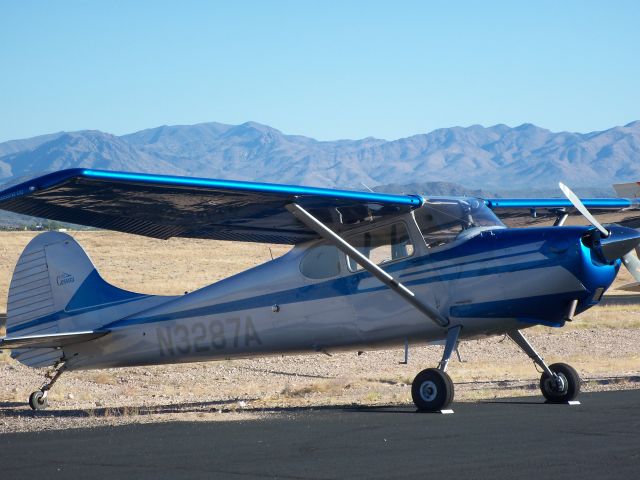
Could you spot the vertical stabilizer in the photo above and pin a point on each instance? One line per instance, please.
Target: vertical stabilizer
(56, 289)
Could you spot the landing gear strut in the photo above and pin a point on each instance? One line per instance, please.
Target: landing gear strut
(38, 399)
(432, 389)
(559, 383)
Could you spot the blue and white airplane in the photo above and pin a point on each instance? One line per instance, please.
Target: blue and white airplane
(366, 270)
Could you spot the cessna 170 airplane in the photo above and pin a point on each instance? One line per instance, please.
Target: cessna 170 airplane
(366, 270)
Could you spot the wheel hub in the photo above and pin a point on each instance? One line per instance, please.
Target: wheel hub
(558, 384)
(428, 391)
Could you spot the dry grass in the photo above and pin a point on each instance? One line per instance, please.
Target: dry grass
(146, 265)
(5, 356)
(291, 391)
(102, 378)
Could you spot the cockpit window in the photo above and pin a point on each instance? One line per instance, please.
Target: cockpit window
(443, 220)
(322, 261)
(382, 244)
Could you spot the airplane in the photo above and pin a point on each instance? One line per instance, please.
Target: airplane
(366, 270)
(629, 190)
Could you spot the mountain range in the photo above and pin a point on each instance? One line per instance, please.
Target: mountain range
(491, 160)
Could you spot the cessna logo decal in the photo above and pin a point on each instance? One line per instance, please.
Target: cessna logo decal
(64, 279)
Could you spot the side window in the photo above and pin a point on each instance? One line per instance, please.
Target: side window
(381, 245)
(322, 261)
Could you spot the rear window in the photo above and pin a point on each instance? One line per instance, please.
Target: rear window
(322, 261)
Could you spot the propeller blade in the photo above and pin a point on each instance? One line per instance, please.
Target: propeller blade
(575, 201)
(633, 265)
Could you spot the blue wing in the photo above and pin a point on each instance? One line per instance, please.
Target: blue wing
(163, 206)
(516, 212)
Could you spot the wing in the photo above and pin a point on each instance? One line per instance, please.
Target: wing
(163, 206)
(520, 212)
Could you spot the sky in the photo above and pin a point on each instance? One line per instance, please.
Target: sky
(325, 69)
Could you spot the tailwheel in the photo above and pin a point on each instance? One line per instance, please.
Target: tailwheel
(38, 400)
(563, 387)
(432, 390)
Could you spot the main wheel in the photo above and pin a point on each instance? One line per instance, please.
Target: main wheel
(432, 390)
(564, 390)
(38, 401)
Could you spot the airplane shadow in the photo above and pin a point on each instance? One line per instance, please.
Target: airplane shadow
(514, 402)
(21, 409)
(288, 374)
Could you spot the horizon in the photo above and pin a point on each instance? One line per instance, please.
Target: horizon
(324, 140)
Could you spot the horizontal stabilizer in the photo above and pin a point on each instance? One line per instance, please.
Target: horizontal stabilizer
(55, 340)
(631, 287)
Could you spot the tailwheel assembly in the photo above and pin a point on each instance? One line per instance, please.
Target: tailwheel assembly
(38, 399)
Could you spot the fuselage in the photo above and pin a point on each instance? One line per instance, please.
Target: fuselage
(489, 279)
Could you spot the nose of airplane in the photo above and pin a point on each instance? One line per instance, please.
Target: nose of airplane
(619, 242)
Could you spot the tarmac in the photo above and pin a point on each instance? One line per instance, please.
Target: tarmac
(513, 438)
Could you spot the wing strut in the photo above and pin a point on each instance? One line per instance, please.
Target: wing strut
(340, 243)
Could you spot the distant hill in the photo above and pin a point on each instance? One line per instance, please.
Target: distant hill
(478, 161)
(492, 159)
(434, 189)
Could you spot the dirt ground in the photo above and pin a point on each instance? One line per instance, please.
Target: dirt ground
(603, 344)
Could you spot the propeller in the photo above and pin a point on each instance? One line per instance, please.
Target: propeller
(576, 202)
(612, 243)
(633, 265)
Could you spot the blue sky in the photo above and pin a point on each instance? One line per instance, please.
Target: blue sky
(325, 69)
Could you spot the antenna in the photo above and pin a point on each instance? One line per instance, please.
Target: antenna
(365, 186)
(271, 253)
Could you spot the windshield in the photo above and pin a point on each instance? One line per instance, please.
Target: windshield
(442, 220)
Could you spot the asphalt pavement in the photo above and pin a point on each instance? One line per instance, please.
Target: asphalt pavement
(515, 439)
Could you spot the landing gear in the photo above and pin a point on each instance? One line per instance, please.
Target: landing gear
(38, 399)
(564, 388)
(432, 389)
(560, 383)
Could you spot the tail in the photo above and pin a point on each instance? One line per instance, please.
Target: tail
(56, 289)
(627, 190)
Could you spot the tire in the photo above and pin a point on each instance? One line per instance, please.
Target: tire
(37, 400)
(571, 381)
(432, 390)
